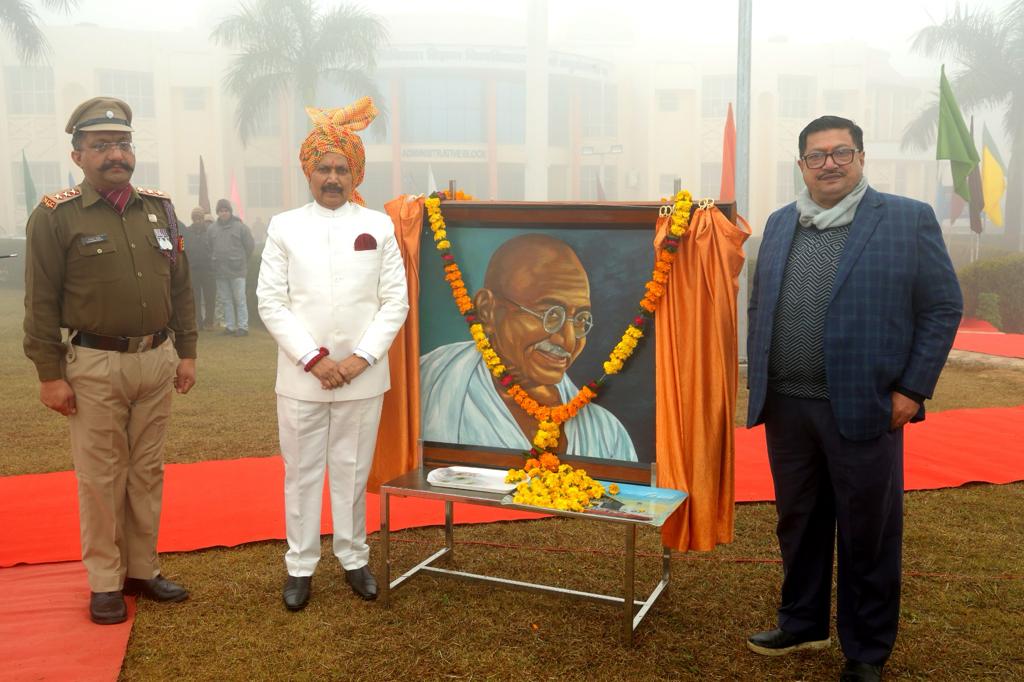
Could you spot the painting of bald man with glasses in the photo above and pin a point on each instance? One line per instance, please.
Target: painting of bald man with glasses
(536, 307)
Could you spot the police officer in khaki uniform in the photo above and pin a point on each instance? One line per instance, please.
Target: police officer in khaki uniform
(110, 326)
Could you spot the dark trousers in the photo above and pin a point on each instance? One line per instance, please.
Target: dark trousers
(824, 482)
(204, 286)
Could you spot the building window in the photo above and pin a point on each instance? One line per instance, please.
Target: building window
(29, 89)
(611, 110)
(193, 99)
(668, 100)
(193, 184)
(558, 112)
(45, 177)
(443, 110)
(787, 181)
(263, 186)
(710, 179)
(146, 175)
(134, 87)
(510, 115)
(796, 96)
(839, 102)
(716, 92)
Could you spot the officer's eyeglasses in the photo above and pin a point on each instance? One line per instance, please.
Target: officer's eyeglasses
(554, 318)
(842, 157)
(125, 147)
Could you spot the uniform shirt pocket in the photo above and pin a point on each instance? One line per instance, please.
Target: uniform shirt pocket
(96, 259)
(161, 260)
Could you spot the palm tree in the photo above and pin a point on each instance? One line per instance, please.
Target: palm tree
(989, 51)
(18, 19)
(288, 49)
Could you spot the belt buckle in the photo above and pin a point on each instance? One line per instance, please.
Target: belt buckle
(145, 343)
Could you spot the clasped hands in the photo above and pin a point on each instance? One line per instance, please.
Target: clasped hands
(336, 374)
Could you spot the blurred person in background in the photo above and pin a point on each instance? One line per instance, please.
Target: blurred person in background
(232, 245)
(200, 260)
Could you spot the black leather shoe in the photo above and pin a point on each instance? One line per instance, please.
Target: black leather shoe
(296, 592)
(107, 608)
(157, 589)
(855, 671)
(362, 582)
(778, 642)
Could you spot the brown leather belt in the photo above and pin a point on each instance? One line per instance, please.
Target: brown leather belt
(121, 344)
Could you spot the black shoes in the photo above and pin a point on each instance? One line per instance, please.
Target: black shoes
(296, 592)
(362, 582)
(157, 589)
(107, 608)
(855, 671)
(778, 642)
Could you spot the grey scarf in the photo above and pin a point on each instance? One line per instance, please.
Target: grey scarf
(824, 218)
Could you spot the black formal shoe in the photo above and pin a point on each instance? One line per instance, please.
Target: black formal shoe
(778, 642)
(107, 608)
(296, 592)
(157, 589)
(855, 671)
(362, 582)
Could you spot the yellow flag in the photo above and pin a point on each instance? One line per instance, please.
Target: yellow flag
(993, 179)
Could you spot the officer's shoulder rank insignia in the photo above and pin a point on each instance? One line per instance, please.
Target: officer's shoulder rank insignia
(57, 198)
(150, 192)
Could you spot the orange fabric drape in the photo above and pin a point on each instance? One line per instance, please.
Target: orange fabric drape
(399, 430)
(696, 379)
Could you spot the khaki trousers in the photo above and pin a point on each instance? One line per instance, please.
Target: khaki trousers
(340, 437)
(117, 445)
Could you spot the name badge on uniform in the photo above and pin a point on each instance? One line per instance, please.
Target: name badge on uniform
(92, 238)
(163, 239)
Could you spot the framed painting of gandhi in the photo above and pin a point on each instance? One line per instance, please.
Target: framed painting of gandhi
(554, 286)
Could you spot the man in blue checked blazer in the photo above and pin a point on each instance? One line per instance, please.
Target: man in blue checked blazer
(852, 314)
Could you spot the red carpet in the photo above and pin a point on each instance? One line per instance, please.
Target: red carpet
(45, 631)
(978, 336)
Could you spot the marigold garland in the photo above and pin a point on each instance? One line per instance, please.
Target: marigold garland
(544, 481)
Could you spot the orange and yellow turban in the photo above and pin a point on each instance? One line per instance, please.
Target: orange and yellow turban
(334, 131)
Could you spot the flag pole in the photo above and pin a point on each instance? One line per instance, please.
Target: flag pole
(743, 157)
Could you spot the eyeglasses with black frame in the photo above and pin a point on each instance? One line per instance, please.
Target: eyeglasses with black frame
(554, 318)
(124, 146)
(842, 157)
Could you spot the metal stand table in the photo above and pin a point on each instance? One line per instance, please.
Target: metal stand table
(414, 484)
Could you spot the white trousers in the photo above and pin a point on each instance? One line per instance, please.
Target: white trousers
(339, 436)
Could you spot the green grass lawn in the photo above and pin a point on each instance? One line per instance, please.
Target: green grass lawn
(963, 605)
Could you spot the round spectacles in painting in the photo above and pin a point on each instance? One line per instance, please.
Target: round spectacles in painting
(125, 147)
(554, 319)
(842, 157)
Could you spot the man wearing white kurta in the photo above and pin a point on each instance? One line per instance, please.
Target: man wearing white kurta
(332, 292)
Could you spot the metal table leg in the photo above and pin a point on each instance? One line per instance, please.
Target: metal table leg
(628, 585)
(449, 526)
(385, 536)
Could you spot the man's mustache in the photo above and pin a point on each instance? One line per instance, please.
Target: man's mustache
(554, 349)
(116, 164)
(831, 174)
(332, 188)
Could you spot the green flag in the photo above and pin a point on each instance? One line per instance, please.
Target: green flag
(954, 141)
(30, 187)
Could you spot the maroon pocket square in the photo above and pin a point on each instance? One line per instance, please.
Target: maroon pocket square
(365, 242)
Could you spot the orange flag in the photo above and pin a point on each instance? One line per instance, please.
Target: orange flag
(696, 376)
(727, 192)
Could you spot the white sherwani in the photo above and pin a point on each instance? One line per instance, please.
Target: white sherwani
(316, 289)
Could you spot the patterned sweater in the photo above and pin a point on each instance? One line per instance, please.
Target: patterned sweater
(796, 362)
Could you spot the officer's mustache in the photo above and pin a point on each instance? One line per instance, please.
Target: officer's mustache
(116, 164)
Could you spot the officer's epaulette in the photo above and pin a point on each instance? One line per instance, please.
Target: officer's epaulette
(152, 193)
(53, 200)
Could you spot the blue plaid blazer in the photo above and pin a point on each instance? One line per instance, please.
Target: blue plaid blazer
(893, 313)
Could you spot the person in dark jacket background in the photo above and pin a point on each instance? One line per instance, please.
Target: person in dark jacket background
(200, 259)
(232, 245)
